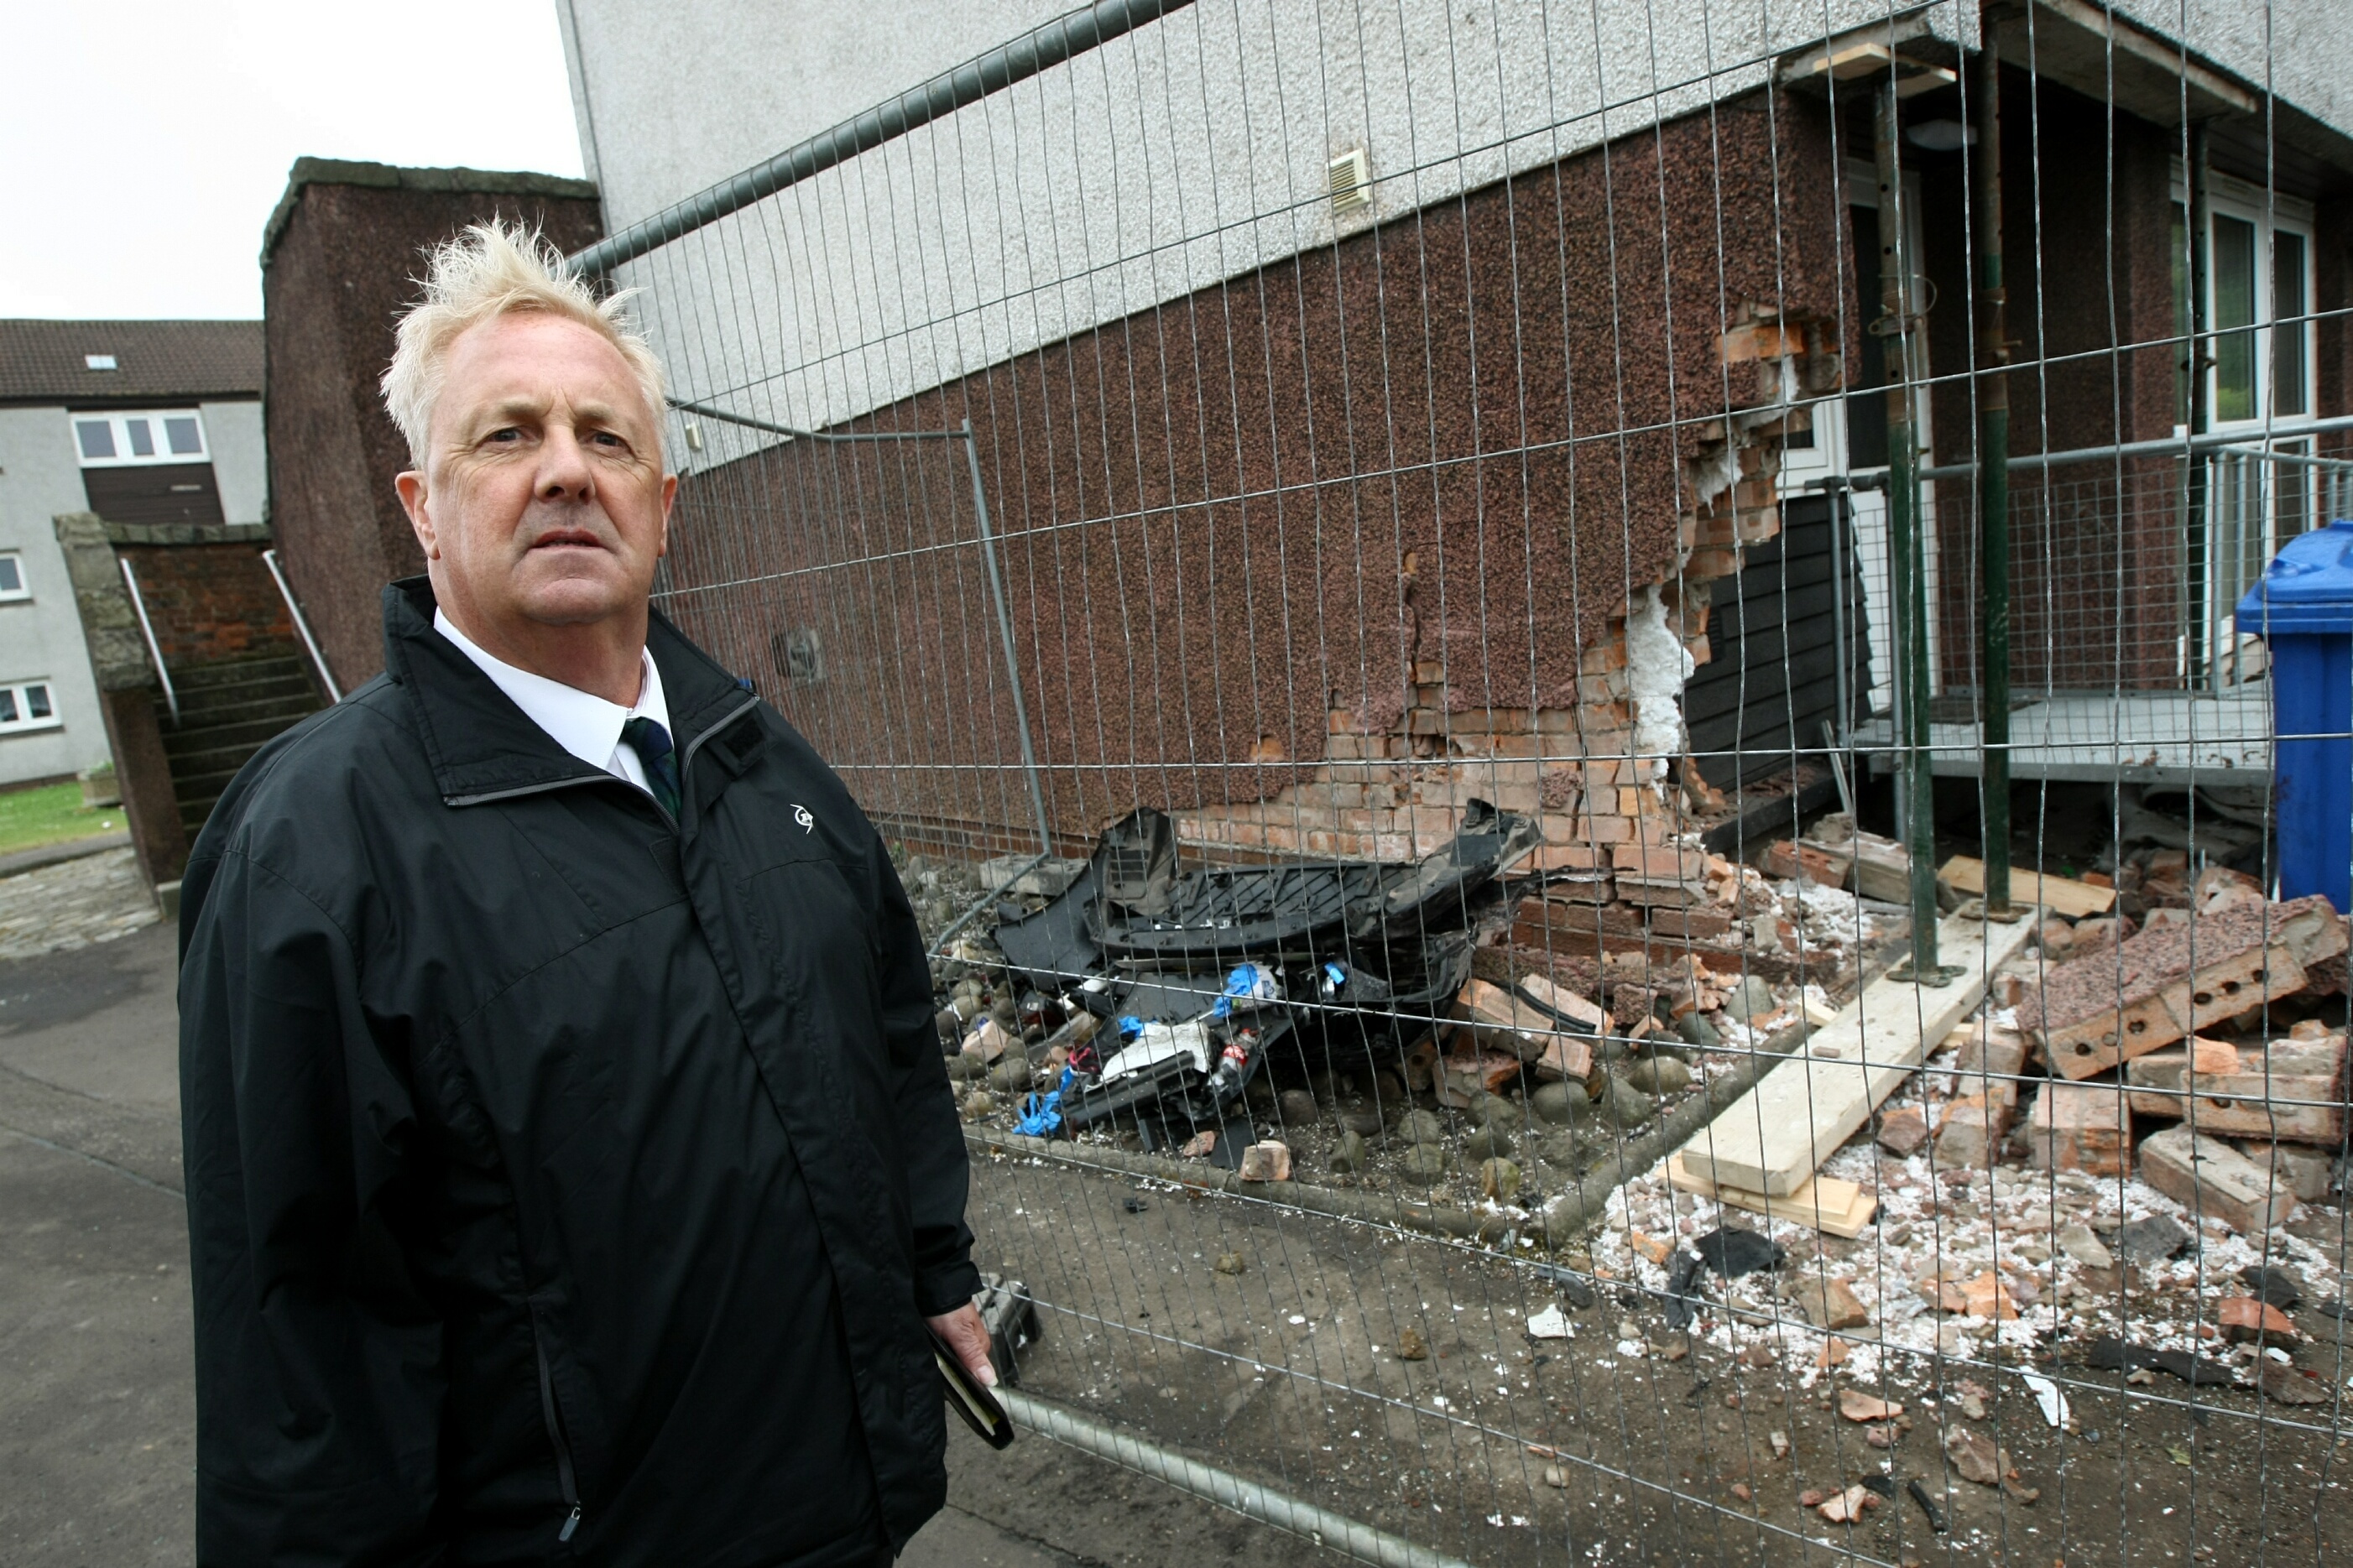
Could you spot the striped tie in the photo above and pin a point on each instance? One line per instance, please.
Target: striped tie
(651, 743)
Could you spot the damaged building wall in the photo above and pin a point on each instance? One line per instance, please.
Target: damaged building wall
(1383, 502)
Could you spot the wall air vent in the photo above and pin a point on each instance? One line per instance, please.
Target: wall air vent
(1351, 183)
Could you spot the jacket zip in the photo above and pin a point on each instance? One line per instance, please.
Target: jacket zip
(686, 758)
(564, 1477)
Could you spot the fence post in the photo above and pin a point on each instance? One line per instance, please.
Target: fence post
(1005, 632)
(2195, 521)
(1904, 545)
(1993, 488)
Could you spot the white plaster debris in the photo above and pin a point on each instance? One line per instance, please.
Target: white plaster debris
(1964, 1224)
(1551, 1324)
(1713, 472)
(2047, 1395)
(1657, 666)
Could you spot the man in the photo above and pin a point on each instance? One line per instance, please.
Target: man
(571, 1165)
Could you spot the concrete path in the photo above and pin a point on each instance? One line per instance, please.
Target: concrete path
(97, 1407)
(73, 903)
(97, 1414)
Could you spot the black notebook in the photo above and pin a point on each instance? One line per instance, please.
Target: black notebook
(969, 1397)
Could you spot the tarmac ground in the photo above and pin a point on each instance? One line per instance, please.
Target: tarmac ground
(97, 1402)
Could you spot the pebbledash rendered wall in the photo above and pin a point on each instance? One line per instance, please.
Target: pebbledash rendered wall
(340, 257)
(1383, 499)
(1286, 488)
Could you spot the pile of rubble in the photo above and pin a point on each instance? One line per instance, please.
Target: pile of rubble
(1441, 1026)
(2128, 1161)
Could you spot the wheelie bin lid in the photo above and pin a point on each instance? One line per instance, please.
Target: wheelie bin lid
(2308, 587)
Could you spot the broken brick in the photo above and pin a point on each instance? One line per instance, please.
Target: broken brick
(1267, 1162)
(1969, 1133)
(1902, 1132)
(1974, 1457)
(2210, 1178)
(1828, 1304)
(2080, 1127)
(1857, 1405)
(2245, 1317)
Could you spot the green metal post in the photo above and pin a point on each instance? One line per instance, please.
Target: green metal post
(2194, 508)
(1993, 483)
(1907, 547)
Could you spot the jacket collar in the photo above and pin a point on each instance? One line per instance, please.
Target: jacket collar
(480, 745)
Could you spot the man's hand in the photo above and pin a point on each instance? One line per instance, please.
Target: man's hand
(968, 1338)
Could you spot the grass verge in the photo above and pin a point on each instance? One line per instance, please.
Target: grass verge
(53, 814)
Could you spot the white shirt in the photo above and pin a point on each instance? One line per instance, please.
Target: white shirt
(581, 722)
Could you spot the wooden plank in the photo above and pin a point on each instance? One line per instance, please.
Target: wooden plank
(1825, 1203)
(2064, 895)
(1771, 1138)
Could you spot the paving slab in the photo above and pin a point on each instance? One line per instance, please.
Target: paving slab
(73, 904)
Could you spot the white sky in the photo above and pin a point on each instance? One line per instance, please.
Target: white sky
(143, 144)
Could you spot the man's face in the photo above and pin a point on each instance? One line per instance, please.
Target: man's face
(542, 503)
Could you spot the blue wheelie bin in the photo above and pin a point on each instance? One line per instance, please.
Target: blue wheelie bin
(2303, 609)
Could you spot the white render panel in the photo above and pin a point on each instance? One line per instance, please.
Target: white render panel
(241, 459)
(1194, 150)
(2297, 48)
(40, 477)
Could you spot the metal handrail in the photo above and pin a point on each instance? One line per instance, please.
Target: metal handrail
(301, 624)
(147, 630)
(1871, 479)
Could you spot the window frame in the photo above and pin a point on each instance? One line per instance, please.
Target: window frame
(2270, 215)
(118, 423)
(24, 588)
(19, 692)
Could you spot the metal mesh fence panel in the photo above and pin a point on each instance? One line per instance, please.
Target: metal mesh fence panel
(1407, 585)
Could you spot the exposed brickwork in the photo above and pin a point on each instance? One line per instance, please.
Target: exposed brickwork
(1413, 483)
(1401, 790)
(209, 602)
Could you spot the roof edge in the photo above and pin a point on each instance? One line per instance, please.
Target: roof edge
(308, 172)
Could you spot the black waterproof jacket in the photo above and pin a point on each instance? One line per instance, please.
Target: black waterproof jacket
(564, 1185)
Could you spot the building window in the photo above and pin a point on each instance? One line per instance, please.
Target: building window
(147, 435)
(2259, 299)
(12, 577)
(26, 705)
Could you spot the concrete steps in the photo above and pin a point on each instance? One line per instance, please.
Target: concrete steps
(228, 711)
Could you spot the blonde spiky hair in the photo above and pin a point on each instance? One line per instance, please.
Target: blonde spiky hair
(489, 270)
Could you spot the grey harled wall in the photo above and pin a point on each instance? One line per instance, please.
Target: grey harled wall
(42, 636)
